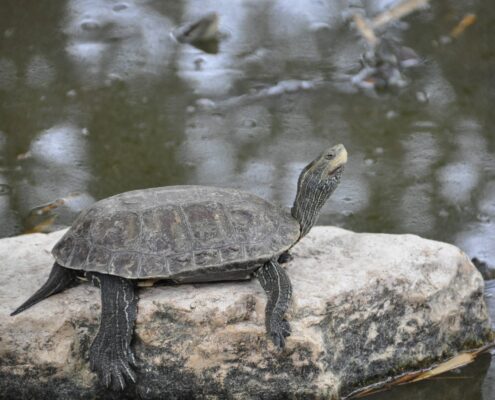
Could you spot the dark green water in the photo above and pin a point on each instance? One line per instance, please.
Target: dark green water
(96, 98)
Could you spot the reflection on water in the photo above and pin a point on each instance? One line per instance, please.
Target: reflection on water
(96, 97)
(108, 41)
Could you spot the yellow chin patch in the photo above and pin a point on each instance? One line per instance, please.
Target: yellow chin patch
(338, 161)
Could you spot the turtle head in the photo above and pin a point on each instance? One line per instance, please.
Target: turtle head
(316, 183)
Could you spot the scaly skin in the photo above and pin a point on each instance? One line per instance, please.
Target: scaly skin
(60, 278)
(315, 185)
(278, 288)
(110, 354)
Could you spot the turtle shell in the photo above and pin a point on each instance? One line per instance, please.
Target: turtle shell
(181, 233)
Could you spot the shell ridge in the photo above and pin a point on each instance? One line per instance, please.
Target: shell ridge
(140, 240)
(197, 230)
(188, 228)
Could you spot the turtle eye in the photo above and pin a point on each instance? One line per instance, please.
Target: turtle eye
(329, 156)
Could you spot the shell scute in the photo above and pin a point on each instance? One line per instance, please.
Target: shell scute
(250, 225)
(180, 262)
(207, 257)
(83, 223)
(208, 224)
(124, 264)
(63, 249)
(164, 231)
(231, 253)
(116, 231)
(183, 233)
(99, 256)
(80, 253)
(153, 265)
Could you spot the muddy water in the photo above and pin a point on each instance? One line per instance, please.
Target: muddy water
(96, 98)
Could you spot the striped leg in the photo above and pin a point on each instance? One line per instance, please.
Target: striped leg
(110, 354)
(276, 283)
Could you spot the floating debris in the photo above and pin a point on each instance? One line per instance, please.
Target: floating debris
(24, 156)
(443, 213)
(466, 22)
(4, 189)
(249, 123)
(397, 12)
(422, 97)
(206, 104)
(120, 7)
(365, 29)
(483, 218)
(8, 33)
(391, 114)
(455, 362)
(279, 89)
(202, 33)
(45, 226)
(57, 214)
(382, 65)
(287, 86)
(205, 28)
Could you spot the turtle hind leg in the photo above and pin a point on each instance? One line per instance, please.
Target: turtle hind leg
(60, 278)
(278, 288)
(110, 354)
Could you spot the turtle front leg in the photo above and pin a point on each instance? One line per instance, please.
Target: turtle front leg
(278, 288)
(110, 354)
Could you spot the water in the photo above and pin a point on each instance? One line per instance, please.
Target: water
(96, 98)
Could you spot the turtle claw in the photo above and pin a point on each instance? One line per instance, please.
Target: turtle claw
(111, 366)
(285, 328)
(119, 375)
(279, 334)
(114, 373)
(278, 341)
(107, 379)
(131, 359)
(114, 380)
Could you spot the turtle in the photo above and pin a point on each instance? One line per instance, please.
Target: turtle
(183, 234)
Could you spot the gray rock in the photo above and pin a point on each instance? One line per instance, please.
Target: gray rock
(365, 306)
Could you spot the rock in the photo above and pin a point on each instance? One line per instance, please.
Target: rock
(365, 306)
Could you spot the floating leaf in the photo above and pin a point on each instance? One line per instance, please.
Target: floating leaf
(397, 12)
(457, 361)
(467, 21)
(43, 226)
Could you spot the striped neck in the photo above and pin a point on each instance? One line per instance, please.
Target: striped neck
(312, 194)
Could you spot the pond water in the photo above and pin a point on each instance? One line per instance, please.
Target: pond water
(97, 98)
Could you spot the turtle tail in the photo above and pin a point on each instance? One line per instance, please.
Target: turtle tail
(60, 279)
